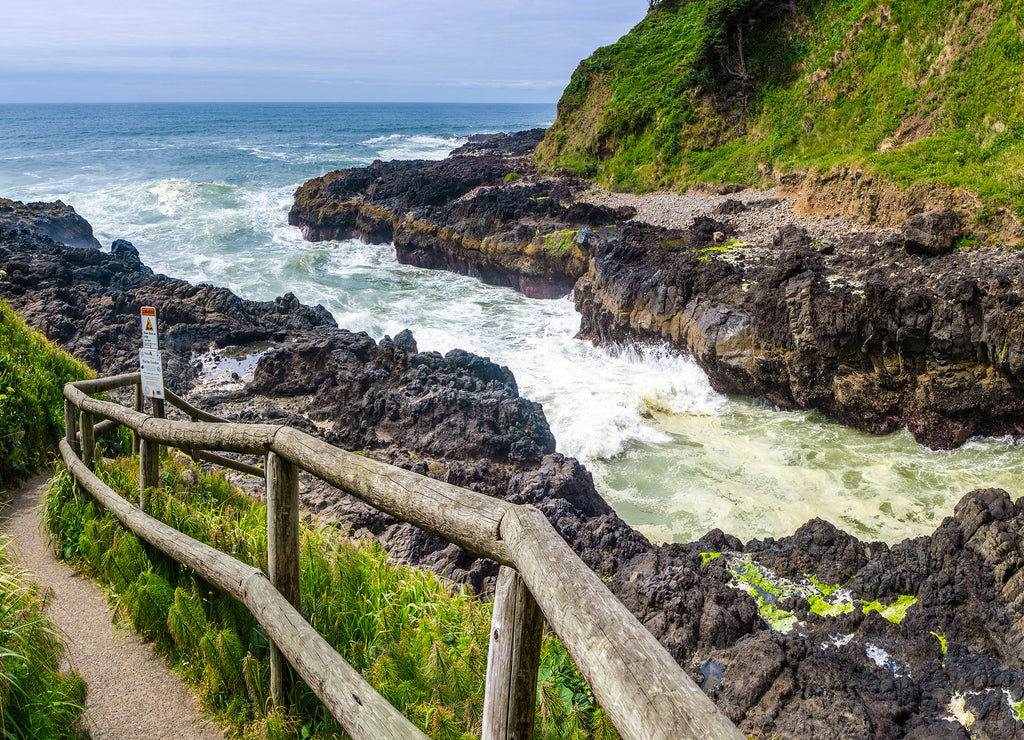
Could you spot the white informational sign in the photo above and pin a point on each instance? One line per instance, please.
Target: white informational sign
(151, 368)
(149, 328)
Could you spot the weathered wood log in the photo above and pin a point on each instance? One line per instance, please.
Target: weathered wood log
(139, 407)
(101, 385)
(196, 414)
(282, 553)
(513, 659)
(70, 425)
(644, 691)
(363, 713)
(104, 409)
(467, 518)
(88, 440)
(149, 470)
(251, 439)
(105, 427)
(227, 462)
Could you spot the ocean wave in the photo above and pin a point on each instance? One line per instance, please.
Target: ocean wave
(416, 146)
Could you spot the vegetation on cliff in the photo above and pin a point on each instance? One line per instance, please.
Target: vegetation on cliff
(33, 371)
(929, 92)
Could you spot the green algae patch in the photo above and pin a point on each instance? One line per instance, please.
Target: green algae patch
(942, 642)
(707, 557)
(824, 608)
(770, 590)
(894, 612)
(1018, 710)
(767, 589)
(560, 242)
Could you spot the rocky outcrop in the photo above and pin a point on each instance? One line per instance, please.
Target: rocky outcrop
(876, 329)
(483, 211)
(56, 220)
(88, 301)
(870, 335)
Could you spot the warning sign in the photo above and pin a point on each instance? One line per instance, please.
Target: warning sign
(152, 370)
(149, 328)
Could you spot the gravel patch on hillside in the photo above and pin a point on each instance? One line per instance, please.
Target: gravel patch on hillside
(756, 215)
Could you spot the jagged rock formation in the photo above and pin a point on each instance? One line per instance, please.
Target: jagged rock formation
(473, 213)
(88, 301)
(876, 330)
(57, 220)
(866, 330)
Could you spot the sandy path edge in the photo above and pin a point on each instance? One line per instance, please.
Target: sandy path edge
(132, 692)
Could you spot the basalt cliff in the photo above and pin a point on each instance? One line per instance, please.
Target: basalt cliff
(876, 328)
(813, 635)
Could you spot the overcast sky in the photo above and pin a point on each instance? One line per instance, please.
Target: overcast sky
(302, 50)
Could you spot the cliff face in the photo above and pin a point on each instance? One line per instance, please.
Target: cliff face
(871, 335)
(480, 212)
(914, 95)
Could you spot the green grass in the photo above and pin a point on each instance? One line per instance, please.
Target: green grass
(37, 700)
(420, 641)
(33, 372)
(560, 243)
(916, 93)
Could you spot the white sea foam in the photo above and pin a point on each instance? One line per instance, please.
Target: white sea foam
(419, 146)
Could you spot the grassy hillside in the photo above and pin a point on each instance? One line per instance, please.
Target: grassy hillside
(33, 372)
(929, 92)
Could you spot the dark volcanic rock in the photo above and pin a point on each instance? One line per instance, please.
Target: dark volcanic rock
(88, 301)
(932, 234)
(484, 211)
(459, 406)
(56, 220)
(860, 331)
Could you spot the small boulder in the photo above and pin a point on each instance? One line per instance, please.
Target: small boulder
(933, 233)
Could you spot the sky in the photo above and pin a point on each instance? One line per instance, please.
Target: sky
(301, 50)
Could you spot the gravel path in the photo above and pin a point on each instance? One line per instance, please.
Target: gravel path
(133, 694)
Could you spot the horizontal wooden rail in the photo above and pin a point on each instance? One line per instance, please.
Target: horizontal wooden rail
(644, 691)
(351, 700)
(189, 410)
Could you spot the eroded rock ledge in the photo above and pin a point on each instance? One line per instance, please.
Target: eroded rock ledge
(878, 329)
(914, 640)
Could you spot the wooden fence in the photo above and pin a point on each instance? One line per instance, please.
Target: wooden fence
(642, 689)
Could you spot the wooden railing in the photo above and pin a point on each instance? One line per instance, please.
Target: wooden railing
(644, 692)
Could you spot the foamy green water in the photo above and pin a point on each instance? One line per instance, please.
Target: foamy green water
(204, 191)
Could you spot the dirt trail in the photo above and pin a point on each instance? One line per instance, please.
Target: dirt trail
(132, 693)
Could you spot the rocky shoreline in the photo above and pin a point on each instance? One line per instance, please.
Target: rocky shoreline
(877, 328)
(813, 635)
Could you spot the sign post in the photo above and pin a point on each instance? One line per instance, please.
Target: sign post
(150, 360)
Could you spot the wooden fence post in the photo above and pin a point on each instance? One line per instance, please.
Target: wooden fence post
(513, 659)
(282, 552)
(139, 406)
(88, 441)
(149, 470)
(70, 430)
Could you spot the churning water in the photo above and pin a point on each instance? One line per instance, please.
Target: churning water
(203, 191)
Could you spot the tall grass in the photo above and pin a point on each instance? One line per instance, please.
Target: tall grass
(36, 699)
(33, 372)
(420, 641)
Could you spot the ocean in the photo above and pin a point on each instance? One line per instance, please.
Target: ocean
(203, 192)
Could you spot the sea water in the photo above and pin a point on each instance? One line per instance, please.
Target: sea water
(203, 192)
